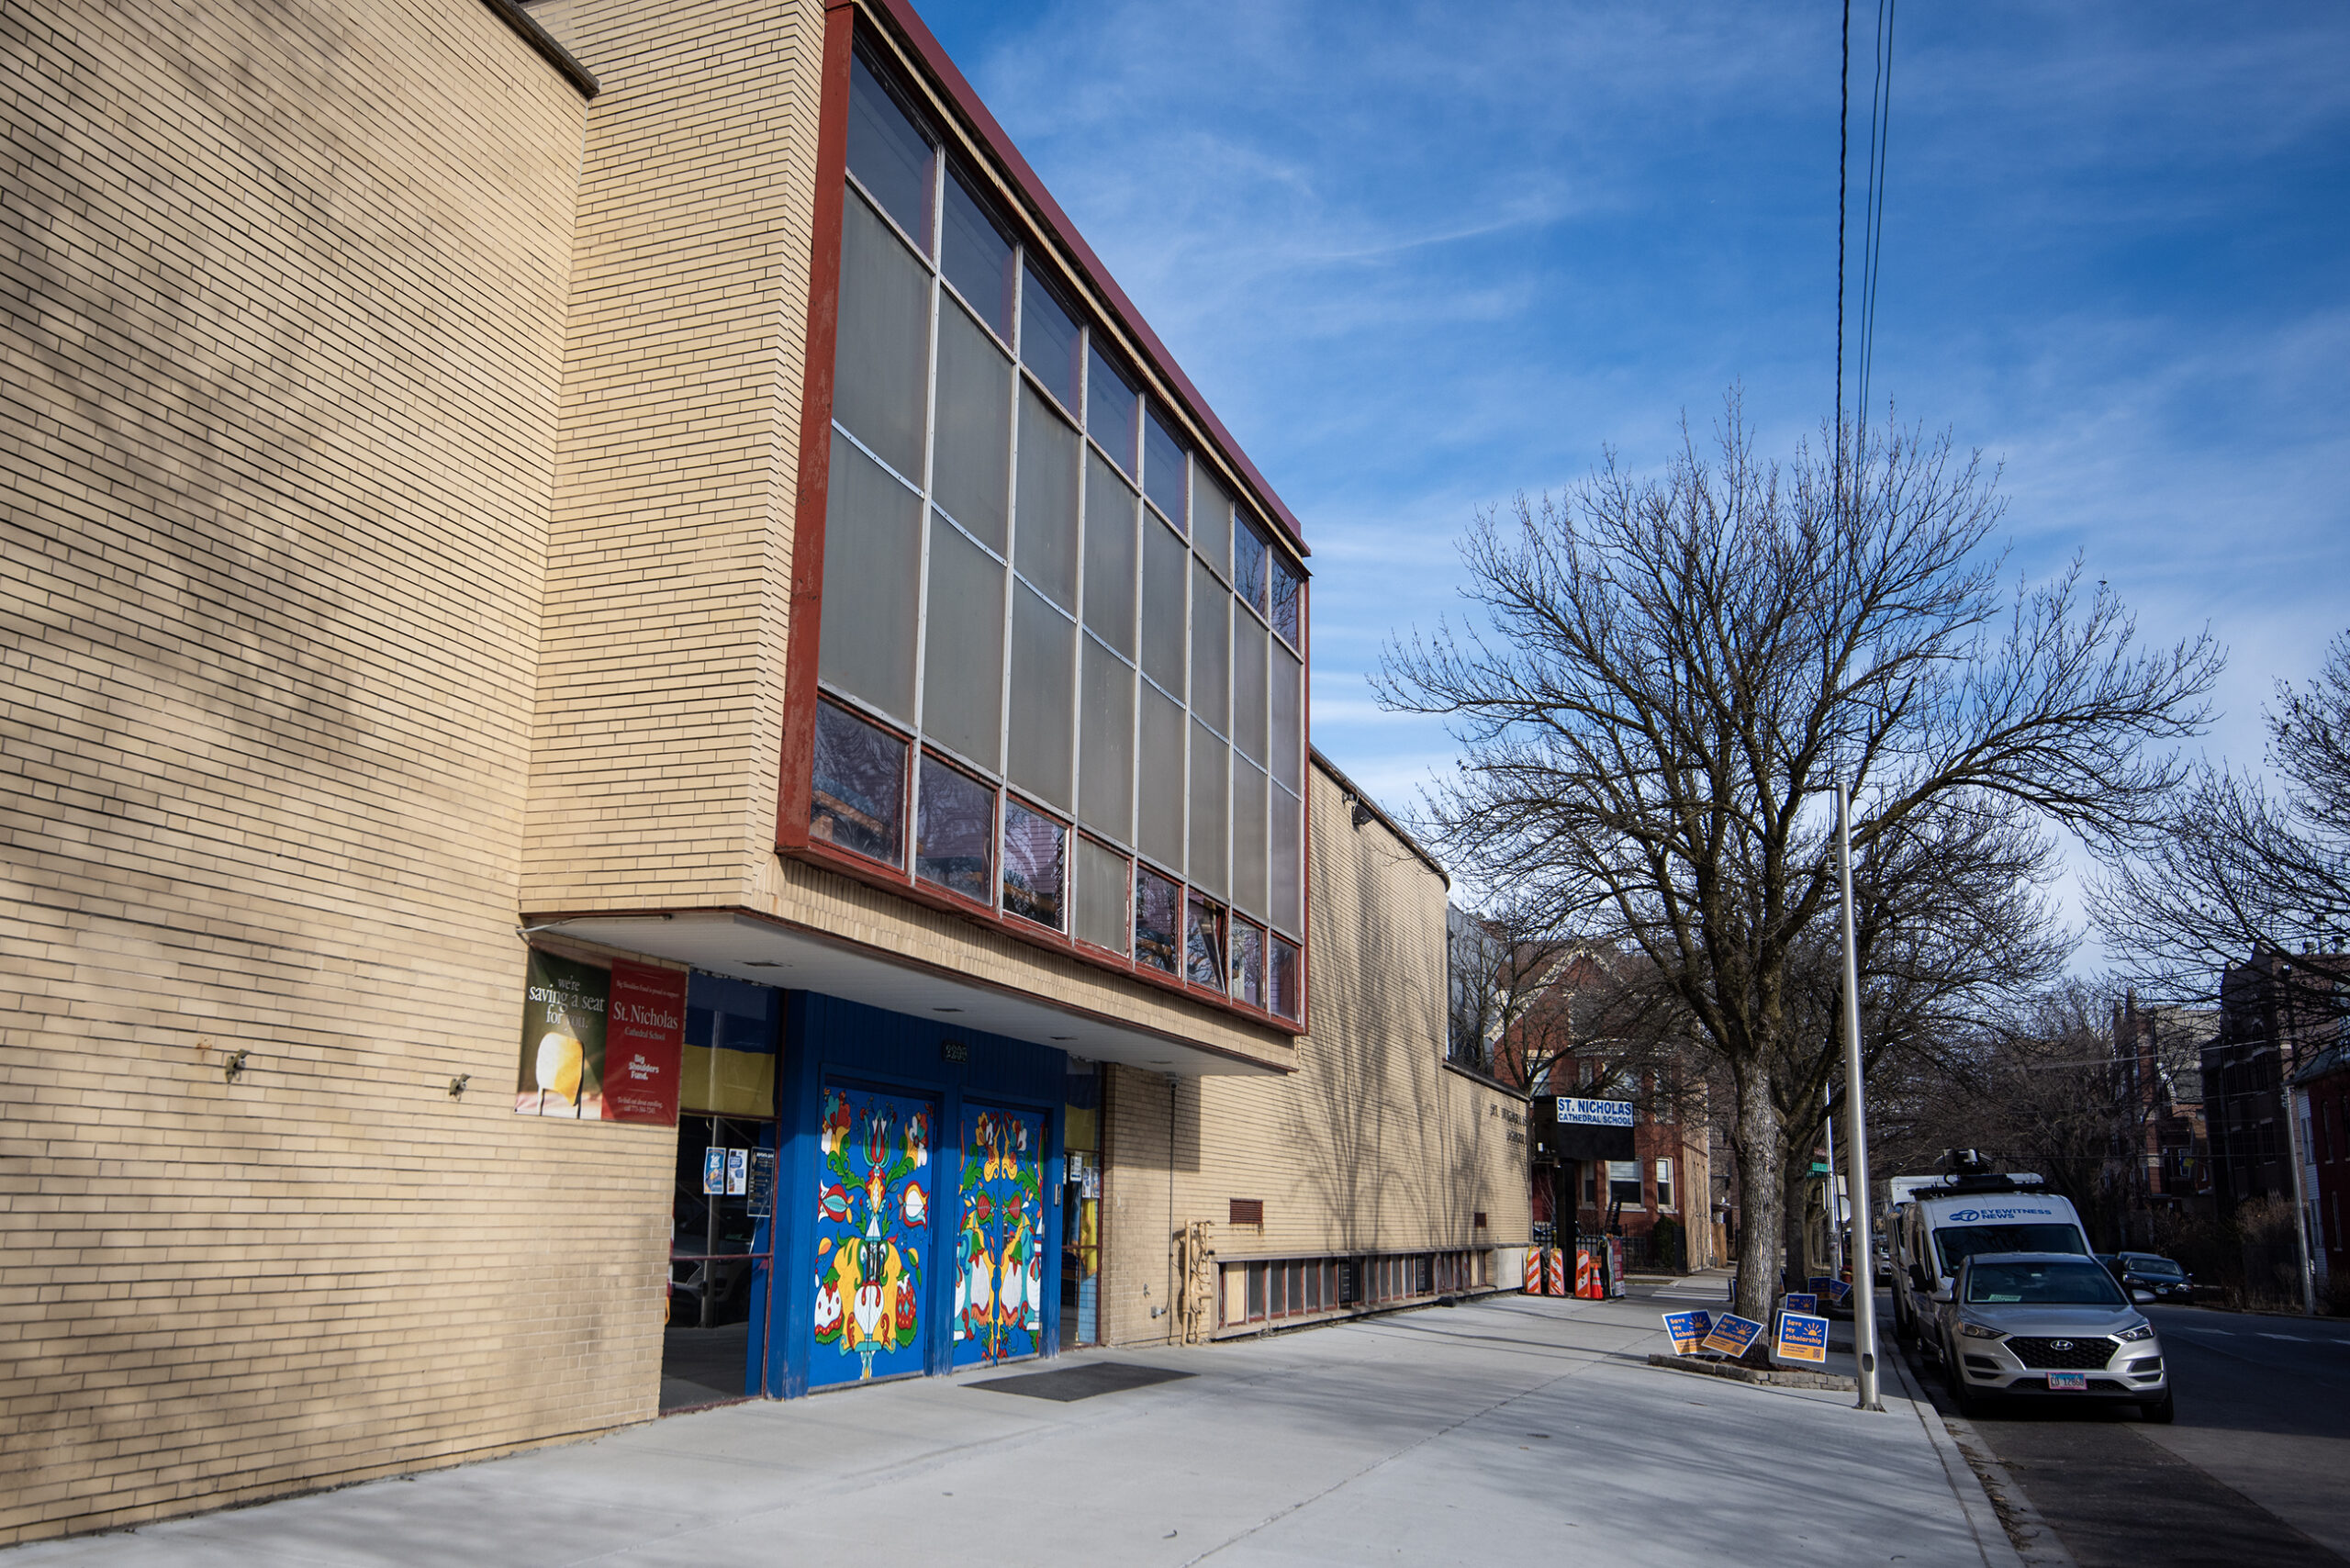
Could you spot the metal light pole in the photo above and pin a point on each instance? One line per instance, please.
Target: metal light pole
(1856, 1134)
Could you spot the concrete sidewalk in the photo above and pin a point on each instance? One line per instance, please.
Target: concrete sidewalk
(1510, 1427)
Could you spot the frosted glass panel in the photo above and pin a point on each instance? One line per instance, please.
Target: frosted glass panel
(1288, 863)
(1109, 556)
(1160, 832)
(1046, 552)
(970, 461)
(1163, 569)
(881, 359)
(1210, 671)
(1209, 762)
(1248, 839)
(1101, 885)
(1044, 686)
(1248, 685)
(962, 687)
(1211, 520)
(1289, 717)
(872, 548)
(1106, 741)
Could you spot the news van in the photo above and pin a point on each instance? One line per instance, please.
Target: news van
(1939, 1225)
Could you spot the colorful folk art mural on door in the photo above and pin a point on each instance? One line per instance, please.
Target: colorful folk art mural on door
(999, 1247)
(872, 1236)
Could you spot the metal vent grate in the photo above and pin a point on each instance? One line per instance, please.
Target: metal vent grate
(1251, 1211)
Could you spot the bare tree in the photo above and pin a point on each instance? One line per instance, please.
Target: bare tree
(2041, 1090)
(1665, 678)
(2241, 870)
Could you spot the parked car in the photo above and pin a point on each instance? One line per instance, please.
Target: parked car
(2048, 1325)
(2150, 1272)
(1942, 1224)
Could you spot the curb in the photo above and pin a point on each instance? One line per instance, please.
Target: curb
(1999, 1515)
(1752, 1375)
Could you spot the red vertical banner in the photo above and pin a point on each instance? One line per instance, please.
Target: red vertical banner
(645, 1033)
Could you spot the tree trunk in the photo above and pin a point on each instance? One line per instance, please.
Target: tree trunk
(1759, 1196)
(1795, 1183)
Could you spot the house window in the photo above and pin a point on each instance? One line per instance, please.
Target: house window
(1664, 1183)
(1203, 944)
(1034, 862)
(858, 797)
(1247, 964)
(1281, 980)
(1156, 905)
(955, 831)
(1591, 1184)
(1624, 1183)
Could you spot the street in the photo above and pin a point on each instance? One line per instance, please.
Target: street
(2256, 1469)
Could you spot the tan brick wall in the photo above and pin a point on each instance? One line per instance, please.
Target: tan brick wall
(284, 297)
(1372, 1145)
(661, 694)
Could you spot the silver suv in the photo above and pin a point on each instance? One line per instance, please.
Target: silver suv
(2047, 1324)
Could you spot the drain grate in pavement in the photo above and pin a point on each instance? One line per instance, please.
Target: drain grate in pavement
(1067, 1383)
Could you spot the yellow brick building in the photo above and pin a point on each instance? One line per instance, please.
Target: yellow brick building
(623, 560)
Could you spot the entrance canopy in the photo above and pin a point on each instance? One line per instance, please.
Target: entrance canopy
(795, 958)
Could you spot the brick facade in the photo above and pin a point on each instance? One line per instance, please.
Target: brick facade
(402, 427)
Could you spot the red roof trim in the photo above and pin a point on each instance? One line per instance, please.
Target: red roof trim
(966, 102)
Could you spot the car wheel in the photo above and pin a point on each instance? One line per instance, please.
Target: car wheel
(2159, 1411)
(1969, 1403)
(1905, 1328)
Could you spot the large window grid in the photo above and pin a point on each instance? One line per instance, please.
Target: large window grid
(1083, 598)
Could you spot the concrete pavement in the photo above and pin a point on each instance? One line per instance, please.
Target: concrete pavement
(1508, 1426)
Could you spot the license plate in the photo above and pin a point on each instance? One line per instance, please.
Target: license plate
(2077, 1383)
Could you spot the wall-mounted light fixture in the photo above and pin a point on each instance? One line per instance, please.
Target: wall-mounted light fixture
(457, 1085)
(232, 1067)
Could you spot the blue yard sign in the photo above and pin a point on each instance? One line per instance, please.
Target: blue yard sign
(1730, 1335)
(1688, 1330)
(1839, 1291)
(1799, 1301)
(1802, 1337)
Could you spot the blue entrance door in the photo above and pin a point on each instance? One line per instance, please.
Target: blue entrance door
(1000, 1251)
(872, 1234)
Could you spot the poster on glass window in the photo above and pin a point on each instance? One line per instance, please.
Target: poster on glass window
(562, 1072)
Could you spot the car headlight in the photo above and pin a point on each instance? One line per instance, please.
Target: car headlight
(1981, 1331)
(2130, 1336)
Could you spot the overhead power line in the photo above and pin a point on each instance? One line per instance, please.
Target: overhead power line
(1873, 219)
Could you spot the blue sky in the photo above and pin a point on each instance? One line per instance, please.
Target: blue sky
(1422, 258)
